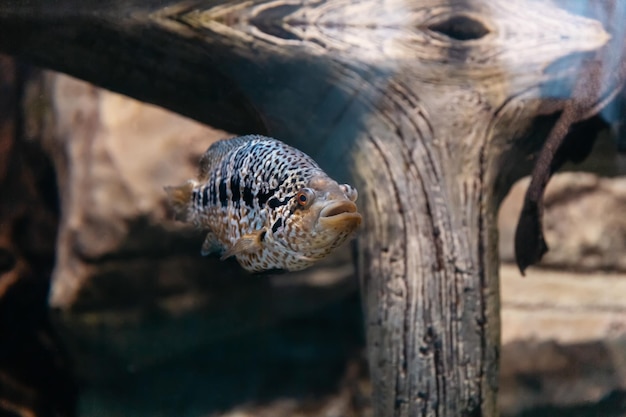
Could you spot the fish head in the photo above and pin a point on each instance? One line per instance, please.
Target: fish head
(322, 216)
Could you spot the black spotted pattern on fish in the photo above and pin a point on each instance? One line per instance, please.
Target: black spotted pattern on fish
(246, 198)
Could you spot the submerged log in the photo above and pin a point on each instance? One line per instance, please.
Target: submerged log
(429, 105)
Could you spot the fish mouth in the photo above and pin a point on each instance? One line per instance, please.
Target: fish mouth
(340, 213)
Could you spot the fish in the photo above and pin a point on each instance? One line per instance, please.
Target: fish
(267, 204)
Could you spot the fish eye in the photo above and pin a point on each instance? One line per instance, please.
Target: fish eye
(304, 197)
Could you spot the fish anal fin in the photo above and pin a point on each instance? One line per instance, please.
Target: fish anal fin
(210, 245)
(246, 243)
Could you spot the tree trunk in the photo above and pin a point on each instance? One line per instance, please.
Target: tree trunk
(431, 102)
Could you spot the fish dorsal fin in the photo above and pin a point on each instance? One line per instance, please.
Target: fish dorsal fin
(216, 152)
(246, 243)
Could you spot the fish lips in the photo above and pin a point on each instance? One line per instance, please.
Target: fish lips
(340, 214)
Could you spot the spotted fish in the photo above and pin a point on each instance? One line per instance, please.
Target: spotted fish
(267, 204)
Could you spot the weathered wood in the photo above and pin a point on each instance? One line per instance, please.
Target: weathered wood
(430, 101)
(601, 78)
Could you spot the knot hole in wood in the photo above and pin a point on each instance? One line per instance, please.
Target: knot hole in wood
(460, 27)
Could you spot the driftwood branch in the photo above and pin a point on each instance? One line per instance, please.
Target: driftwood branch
(422, 102)
(600, 79)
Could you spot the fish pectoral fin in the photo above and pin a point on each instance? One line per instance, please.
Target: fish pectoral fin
(210, 245)
(246, 243)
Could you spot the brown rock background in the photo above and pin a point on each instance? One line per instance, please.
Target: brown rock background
(564, 324)
(153, 328)
(585, 225)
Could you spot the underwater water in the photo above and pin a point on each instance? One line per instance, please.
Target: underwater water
(428, 111)
(288, 367)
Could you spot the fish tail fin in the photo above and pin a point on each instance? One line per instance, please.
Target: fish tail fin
(179, 198)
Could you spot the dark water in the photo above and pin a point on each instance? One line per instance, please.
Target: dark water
(301, 358)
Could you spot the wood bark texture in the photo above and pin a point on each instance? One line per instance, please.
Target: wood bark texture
(428, 104)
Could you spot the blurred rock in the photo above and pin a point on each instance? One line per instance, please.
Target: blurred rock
(584, 222)
(564, 328)
(113, 155)
(535, 375)
(562, 306)
(564, 340)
